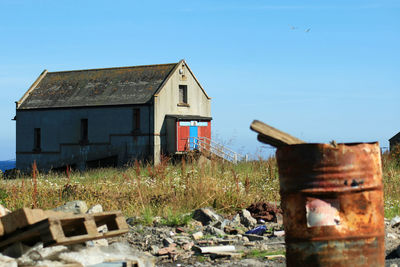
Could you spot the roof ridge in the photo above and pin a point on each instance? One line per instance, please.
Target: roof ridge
(113, 68)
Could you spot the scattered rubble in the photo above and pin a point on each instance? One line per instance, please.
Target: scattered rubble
(269, 212)
(217, 242)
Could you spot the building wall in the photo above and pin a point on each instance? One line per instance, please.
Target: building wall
(166, 102)
(110, 133)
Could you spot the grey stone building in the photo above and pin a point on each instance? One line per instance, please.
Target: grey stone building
(395, 140)
(111, 116)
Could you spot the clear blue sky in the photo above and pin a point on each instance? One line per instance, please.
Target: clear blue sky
(340, 80)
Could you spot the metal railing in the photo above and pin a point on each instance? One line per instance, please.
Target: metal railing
(206, 144)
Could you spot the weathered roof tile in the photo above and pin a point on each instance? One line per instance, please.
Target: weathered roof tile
(98, 87)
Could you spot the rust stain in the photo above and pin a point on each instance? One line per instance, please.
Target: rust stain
(332, 204)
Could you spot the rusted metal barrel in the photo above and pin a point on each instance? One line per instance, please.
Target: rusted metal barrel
(332, 202)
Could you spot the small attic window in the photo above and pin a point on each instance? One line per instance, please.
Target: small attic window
(183, 94)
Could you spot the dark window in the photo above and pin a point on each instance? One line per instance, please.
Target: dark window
(37, 140)
(136, 119)
(182, 94)
(84, 131)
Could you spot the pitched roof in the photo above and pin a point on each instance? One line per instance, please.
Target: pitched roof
(96, 87)
(397, 136)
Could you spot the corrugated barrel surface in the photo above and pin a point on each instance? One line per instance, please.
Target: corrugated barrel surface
(333, 204)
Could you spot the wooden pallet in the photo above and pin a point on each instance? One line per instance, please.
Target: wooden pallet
(68, 230)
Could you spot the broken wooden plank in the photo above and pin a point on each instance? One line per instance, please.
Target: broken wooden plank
(69, 230)
(21, 218)
(274, 137)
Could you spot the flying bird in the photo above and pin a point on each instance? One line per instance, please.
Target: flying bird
(308, 30)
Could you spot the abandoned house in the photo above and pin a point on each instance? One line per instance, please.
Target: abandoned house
(110, 116)
(395, 140)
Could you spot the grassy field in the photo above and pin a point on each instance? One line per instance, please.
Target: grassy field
(169, 190)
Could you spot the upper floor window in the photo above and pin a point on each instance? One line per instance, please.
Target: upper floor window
(37, 140)
(136, 119)
(183, 94)
(84, 131)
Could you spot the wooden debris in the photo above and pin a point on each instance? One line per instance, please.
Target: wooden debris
(274, 137)
(272, 257)
(66, 229)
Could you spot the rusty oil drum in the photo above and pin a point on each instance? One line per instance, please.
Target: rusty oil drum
(332, 202)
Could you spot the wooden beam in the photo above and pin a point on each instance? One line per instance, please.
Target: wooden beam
(271, 136)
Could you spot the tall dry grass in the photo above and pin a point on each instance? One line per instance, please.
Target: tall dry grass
(143, 189)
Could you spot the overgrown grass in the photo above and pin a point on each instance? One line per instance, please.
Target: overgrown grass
(260, 254)
(170, 190)
(144, 190)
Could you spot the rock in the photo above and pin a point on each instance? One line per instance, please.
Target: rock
(228, 255)
(197, 235)
(230, 230)
(395, 221)
(195, 225)
(265, 210)
(235, 220)
(166, 250)
(246, 219)
(214, 231)
(279, 233)
(392, 236)
(167, 241)
(260, 221)
(206, 216)
(77, 207)
(15, 250)
(95, 243)
(154, 249)
(279, 218)
(252, 237)
(132, 220)
(188, 246)
(7, 261)
(179, 230)
(95, 209)
(4, 211)
(252, 263)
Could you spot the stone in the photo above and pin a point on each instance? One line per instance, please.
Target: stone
(395, 221)
(228, 255)
(230, 230)
(6, 261)
(279, 233)
(213, 231)
(197, 235)
(246, 219)
(252, 237)
(154, 249)
(179, 230)
(166, 250)
(167, 241)
(15, 250)
(392, 236)
(95, 209)
(206, 216)
(235, 220)
(188, 246)
(77, 207)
